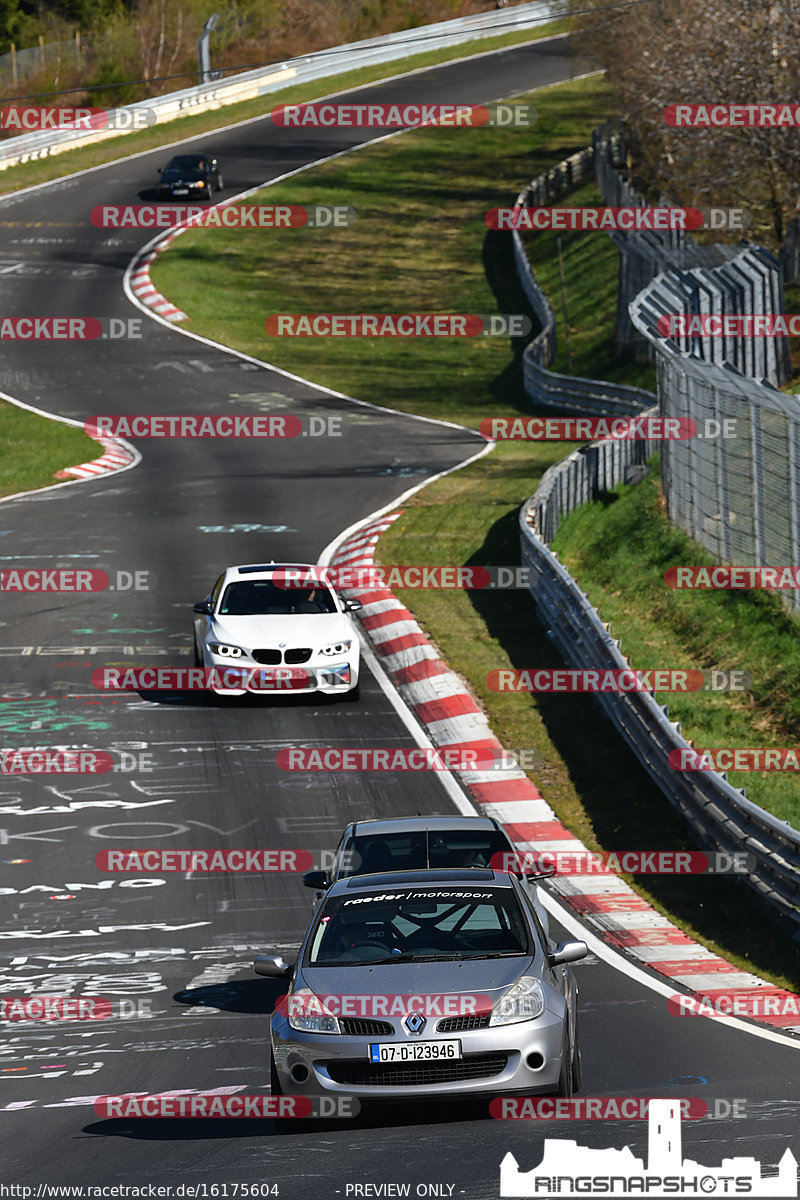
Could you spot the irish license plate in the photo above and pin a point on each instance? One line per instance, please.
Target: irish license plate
(390, 1052)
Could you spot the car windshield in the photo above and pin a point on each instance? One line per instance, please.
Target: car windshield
(414, 925)
(261, 597)
(185, 165)
(417, 850)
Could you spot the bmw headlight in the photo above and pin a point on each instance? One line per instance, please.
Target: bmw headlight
(523, 1002)
(307, 1013)
(226, 651)
(336, 648)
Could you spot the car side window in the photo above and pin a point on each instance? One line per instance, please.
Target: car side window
(544, 941)
(341, 864)
(215, 591)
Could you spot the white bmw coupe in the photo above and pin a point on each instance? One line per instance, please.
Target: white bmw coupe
(279, 628)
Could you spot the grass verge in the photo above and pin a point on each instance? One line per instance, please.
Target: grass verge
(34, 448)
(619, 548)
(421, 244)
(591, 267)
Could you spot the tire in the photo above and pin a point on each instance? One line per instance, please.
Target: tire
(220, 183)
(577, 1069)
(354, 695)
(209, 190)
(565, 1077)
(198, 658)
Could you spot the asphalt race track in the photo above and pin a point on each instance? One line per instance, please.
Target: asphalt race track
(184, 945)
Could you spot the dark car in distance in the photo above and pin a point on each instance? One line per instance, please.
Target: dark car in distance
(191, 176)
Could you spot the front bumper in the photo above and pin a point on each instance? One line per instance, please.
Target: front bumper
(328, 678)
(495, 1062)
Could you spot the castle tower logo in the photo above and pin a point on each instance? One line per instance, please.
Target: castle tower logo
(568, 1169)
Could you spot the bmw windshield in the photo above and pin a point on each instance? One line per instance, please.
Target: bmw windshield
(262, 597)
(435, 925)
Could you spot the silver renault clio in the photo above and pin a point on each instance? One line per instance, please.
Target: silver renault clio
(424, 984)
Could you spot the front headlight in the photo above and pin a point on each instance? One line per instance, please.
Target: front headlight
(336, 648)
(198, 183)
(522, 1002)
(306, 1013)
(226, 651)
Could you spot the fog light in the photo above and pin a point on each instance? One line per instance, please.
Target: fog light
(535, 1061)
(299, 1073)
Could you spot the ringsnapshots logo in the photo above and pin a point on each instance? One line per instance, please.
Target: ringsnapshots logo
(590, 219)
(27, 119)
(569, 1169)
(223, 216)
(327, 115)
(398, 325)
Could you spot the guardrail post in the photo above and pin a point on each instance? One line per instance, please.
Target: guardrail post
(203, 56)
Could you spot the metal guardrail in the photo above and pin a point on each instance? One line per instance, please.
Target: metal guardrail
(737, 496)
(543, 387)
(719, 816)
(755, 287)
(319, 65)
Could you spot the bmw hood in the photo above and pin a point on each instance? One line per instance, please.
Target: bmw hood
(315, 630)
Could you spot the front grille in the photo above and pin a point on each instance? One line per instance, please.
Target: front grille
(267, 658)
(363, 1027)
(459, 1024)
(297, 656)
(417, 1074)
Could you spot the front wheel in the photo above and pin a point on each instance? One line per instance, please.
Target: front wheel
(577, 1069)
(198, 658)
(220, 184)
(354, 694)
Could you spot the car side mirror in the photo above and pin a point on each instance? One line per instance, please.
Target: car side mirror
(316, 879)
(203, 606)
(352, 605)
(566, 952)
(272, 966)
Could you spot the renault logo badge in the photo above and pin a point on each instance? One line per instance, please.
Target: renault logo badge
(413, 1022)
